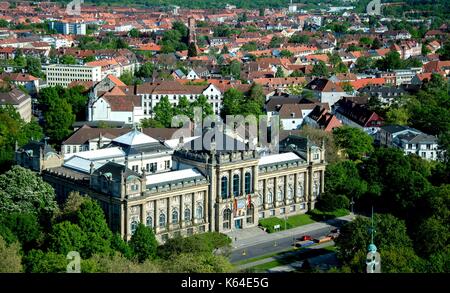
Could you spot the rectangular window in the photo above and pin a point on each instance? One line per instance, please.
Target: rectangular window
(292, 208)
(302, 206)
(424, 154)
(282, 211)
(272, 213)
(167, 165)
(261, 215)
(135, 168)
(201, 229)
(190, 231)
(74, 149)
(316, 157)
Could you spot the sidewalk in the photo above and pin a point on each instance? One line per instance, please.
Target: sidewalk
(254, 236)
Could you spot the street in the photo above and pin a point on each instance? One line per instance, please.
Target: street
(273, 246)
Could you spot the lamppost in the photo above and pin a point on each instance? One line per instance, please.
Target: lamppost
(351, 204)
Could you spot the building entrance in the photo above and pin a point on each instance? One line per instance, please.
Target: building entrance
(238, 224)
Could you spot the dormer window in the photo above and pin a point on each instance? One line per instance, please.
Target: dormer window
(316, 156)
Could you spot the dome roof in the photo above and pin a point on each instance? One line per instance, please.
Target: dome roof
(134, 137)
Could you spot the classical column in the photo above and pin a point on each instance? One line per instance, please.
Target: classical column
(123, 221)
(265, 193)
(275, 192)
(205, 207)
(155, 218)
(286, 200)
(306, 192)
(296, 195)
(181, 211)
(242, 191)
(169, 216)
(322, 181)
(193, 208)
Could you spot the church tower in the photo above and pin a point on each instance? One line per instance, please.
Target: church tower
(192, 35)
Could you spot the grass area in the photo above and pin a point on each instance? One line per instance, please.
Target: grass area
(268, 265)
(291, 222)
(318, 215)
(249, 260)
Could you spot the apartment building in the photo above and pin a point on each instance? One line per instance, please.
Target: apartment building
(68, 28)
(64, 74)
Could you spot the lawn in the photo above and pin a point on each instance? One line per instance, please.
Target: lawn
(291, 222)
(268, 265)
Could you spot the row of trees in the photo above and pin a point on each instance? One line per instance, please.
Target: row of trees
(411, 195)
(36, 235)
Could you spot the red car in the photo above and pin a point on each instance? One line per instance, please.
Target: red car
(305, 237)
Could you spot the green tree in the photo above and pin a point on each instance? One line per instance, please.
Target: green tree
(127, 78)
(37, 261)
(432, 236)
(25, 227)
(164, 111)
(66, 237)
(363, 63)
(89, 58)
(146, 70)
(198, 263)
(286, 54)
(184, 107)
(235, 69)
(391, 234)
(232, 101)
(76, 97)
(354, 141)
(119, 245)
(68, 59)
(399, 116)
(376, 44)
(365, 41)
(275, 42)
(320, 69)
(299, 39)
(59, 118)
(390, 61)
(151, 123)
(91, 220)
(11, 260)
(23, 191)
(134, 33)
(343, 178)
(34, 66)
(192, 50)
(203, 103)
(280, 72)
(143, 243)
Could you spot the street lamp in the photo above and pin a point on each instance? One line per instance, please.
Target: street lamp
(351, 204)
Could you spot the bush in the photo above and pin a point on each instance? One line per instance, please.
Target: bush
(318, 215)
(330, 202)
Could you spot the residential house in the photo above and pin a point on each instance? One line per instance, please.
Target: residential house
(410, 140)
(19, 100)
(326, 90)
(320, 117)
(356, 115)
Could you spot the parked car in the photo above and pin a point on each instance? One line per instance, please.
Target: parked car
(322, 239)
(305, 237)
(303, 243)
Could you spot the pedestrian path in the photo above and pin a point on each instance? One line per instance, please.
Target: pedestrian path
(255, 235)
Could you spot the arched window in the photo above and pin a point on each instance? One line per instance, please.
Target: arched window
(134, 225)
(248, 183)
(250, 212)
(162, 220)
(224, 187)
(175, 216)
(149, 221)
(227, 219)
(199, 212)
(187, 214)
(236, 185)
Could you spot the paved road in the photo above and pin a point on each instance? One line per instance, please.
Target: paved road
(281, 241)
(273, 246)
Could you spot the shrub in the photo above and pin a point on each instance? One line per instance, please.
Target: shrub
(319, 215)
